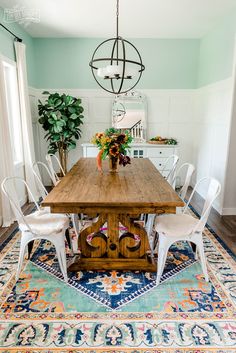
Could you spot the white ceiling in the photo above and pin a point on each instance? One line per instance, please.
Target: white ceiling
(138, 18)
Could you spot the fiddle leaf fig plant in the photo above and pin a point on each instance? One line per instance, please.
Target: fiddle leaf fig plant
(61, 116)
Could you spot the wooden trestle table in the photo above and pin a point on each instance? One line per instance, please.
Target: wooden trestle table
(118, 198)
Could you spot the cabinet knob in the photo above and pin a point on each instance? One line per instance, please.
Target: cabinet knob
(160, 152)
(159, 164)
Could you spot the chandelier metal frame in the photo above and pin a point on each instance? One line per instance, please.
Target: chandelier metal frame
(117, 59)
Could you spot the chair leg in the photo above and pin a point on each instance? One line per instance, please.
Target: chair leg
(30, 248)
(68, 239)
(23, 245)
(149, 227)
(162, 255)
(77, 227)
(61, 255)
(200, 248)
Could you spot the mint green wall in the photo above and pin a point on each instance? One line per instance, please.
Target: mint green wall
(217, 51)
(63, 63)
(7, 45)
(170, 63)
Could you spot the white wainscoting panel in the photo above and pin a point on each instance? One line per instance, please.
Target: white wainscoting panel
(211, 133)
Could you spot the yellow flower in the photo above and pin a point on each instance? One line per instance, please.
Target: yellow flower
(104, 140)
(94, 140)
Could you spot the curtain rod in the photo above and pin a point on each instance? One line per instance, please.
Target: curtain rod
(16, 37)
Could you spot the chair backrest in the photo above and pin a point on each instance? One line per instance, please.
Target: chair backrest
(213, 191)
(38, 177)
(49, 159)
(188, 168)
(170, 164)
(9, 189)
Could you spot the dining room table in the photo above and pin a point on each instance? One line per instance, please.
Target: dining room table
(117, 240)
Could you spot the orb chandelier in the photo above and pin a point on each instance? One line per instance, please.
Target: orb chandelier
(121, 71)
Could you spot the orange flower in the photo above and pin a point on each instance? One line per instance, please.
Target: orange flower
(99, 135)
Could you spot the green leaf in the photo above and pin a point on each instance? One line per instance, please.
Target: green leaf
(69, 100)
(71, 124)
(57, 102)
(56, 138)
(53, 115)
(73, 116)
(42, 120)
(51, 121)
(57, 128)
(105, 154)
(72, 110)
(45, 92)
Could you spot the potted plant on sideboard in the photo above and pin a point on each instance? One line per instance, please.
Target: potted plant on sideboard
(61, 116)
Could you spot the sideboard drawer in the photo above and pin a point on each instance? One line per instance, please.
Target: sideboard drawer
(162, 152)
(160, 162)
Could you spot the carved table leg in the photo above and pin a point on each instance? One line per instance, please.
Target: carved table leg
(112, 251)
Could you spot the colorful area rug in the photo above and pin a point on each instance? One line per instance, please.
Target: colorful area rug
(118, 311)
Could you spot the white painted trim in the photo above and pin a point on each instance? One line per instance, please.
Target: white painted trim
(33, 91)
(215, 85)
(229, 212)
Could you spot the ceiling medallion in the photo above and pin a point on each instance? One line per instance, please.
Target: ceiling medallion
(121, 71)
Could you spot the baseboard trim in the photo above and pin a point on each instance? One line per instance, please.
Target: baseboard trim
(229, 212)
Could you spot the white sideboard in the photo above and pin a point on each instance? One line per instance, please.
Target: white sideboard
(156, 153)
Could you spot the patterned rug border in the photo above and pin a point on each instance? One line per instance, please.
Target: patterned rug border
(117, 350)
(147, 336)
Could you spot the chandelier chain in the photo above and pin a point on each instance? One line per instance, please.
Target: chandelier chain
(117, 8)
(117, 18)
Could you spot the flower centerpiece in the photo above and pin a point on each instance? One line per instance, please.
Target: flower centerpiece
(114, 144)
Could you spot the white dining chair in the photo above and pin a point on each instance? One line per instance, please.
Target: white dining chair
(185, 172)
(37, 166)
(184, 227)
(77, 226)
(49, 159)
(187, 169)
(169, 167)
(37, 225)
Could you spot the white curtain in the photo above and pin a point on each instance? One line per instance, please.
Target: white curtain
(6, 158)
(27, 130)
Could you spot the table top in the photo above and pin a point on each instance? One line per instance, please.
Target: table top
(136, 185)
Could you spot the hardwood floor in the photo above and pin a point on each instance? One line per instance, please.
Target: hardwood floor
(6, 231)
(224, 226)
